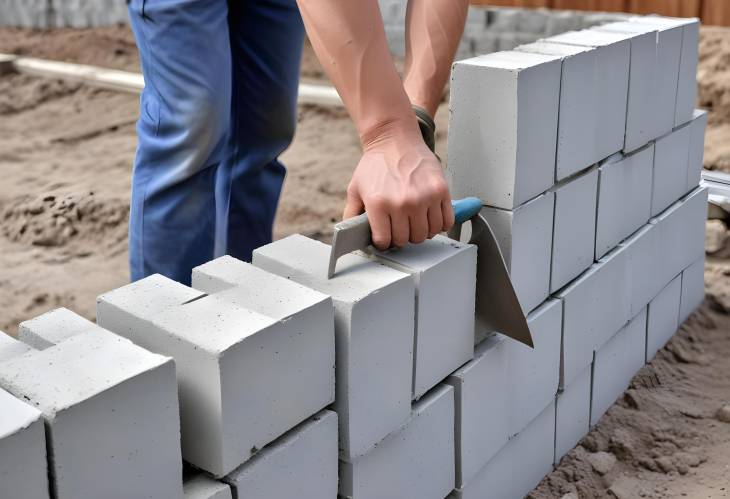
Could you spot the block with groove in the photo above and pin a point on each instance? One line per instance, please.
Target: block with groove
(374, 323)
(662, 318)
(23, 468)
(301, 463)
(11, 348)
(415, 462)
(53, 327)
(203, 487)
(244, 378)
(103, 400)
(444, 273)
(503, 127)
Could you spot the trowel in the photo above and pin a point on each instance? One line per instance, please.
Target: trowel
(497, 307)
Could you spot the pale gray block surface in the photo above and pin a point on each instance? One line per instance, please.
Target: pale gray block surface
(244, 378)
(574, 229)
(444, 274)
(578, 117)
(616, 363)
(374, 323)
(624, 198)
(53, 327)
(671, 156)
(595, 306)
(572, 413)
(662, 318)
(525, 239)
(11, 348)
(533, 449)
(416, 462)
(23, 469)
(479, 387)
(104, 399)
(613, 59)
(503, 127)
(302, 463)
(693, 289)
(642, 104)
(203, 487)
(696, 148)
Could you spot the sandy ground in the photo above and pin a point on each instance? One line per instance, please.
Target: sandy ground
(65, 156)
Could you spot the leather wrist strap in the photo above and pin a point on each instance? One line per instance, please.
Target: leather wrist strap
(427, 126)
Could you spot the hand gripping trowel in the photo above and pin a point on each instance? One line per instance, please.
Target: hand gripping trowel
(497, 307)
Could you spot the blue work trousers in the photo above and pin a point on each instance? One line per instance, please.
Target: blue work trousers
(218, 108)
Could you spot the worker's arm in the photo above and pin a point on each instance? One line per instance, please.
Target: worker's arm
(433, 32)
(398, 181)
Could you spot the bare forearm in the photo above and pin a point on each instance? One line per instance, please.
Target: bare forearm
(433, 31)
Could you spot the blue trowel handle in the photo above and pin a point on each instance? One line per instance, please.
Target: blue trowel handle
(465, 209)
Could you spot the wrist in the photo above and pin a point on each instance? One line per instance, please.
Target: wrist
(398, 129)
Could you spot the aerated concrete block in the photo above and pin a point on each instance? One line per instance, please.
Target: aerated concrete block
(574, 229)
(613, 59)
(202, 487)
(687, 83)
(23, 469)
(104, 399)
(624, 198)
(693, 289)
(416, 462)
(595, 306)
(697, 126)
(669, 182)
(662, 318)
(573, 413)
(525, 239)
(519, 466)
(53, 327)
(503, 127)
(444, 274)
(245, 378)
(642, 107)
(302, 463)
(616, 363)
(374, 324)
(578, 117)
(11, 348)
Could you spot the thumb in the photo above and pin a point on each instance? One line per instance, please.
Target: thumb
(354, 205)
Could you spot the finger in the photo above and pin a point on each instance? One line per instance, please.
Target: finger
(447, 213)
(435, 220)
(380, 227)
(399, 229)
(354, 206)
(418, 227)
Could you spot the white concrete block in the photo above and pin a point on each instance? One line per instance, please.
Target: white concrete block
(480, 387)
(662, 318)
(503, 127)
(669, 182)
(693, 289)
(573, 413)
(302, 463)
(574, 229)
(374, 323)
(444, 274)
(503, 477)
(202, 487)
(644, 262)
(595, 306)
(525, 239)
(416, 462)
(642, 106)
(578, 117)
(23, 469)
(613, 58)
(697, 127)
(104, 399)
(624, 198)
(11, 348)
(244, 378)
(616, 363)
(53, 327)
(687, 84)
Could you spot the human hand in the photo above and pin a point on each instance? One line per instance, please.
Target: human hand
(400, 183)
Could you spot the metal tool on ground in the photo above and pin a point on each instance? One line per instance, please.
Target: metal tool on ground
(497, 306)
